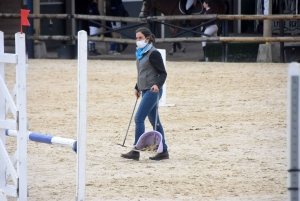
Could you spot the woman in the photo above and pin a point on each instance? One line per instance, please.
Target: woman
(188, 5)
(116, 9)
(151, 77)
(188, 10)
(210, 28)
(94, 27)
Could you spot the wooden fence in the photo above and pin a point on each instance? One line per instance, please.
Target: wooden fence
(153, 18)
(169, 40)
(161, 18)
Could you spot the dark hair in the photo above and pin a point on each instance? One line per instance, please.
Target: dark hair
(208, 2)
(147, 33)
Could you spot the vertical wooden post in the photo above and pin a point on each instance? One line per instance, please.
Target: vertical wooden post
(268, 23)
(237, 9)
(102, 6)
(281, 32)
(37, 22)
(73, 31)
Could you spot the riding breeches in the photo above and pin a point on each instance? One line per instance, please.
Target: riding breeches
(188, 4)
(211, 30)
(94, 31)
(116, 25)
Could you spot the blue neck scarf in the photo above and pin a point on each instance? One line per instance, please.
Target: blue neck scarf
(139, 53)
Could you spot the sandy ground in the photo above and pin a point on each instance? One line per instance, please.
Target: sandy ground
(226, 134)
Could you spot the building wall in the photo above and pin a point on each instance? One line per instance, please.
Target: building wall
(248, 8)
(53, 26)
(133, 9)
(10, 26)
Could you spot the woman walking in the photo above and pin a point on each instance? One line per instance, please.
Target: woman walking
(151, 77)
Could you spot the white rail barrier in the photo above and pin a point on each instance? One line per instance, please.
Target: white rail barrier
(164, 95)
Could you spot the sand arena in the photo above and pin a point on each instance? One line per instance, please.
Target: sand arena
(226, 134)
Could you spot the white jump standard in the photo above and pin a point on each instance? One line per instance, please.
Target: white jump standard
(18, 127)
(164, 95)
(18, 175)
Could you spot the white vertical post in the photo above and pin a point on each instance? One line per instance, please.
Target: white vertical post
(164, 95)
(22, 116)
(2, 114)
(81, 116)
(2, 195)
(293, 122)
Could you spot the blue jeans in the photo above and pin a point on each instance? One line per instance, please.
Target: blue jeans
(146, 108)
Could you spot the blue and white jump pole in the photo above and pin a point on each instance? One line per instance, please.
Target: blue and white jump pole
(44, 138)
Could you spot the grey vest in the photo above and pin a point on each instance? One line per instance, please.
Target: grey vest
(147, 75)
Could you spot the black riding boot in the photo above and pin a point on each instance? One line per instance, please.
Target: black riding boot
(204, 54)
(173, 50)
(91, 53)
(118, 48)
(92, 50)
(124, 46)
(160, 156)
(180, 47)
(135, 155)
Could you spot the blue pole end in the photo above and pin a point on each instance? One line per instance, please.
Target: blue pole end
(75, 147)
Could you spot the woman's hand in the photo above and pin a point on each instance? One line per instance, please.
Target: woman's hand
(154, 88)
(137, 93)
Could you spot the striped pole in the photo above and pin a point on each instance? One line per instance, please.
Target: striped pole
(44, 138)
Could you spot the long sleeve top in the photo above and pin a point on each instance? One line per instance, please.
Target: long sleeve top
(209, 11)
(93, 10)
